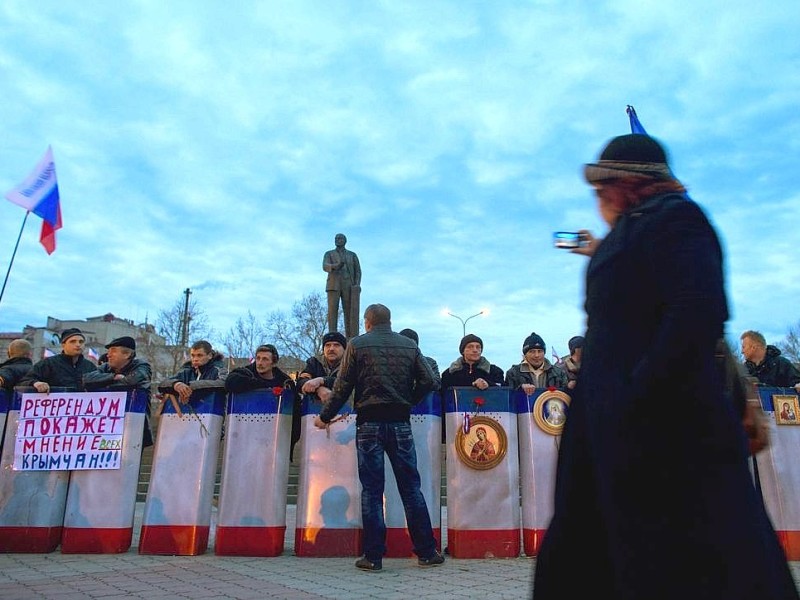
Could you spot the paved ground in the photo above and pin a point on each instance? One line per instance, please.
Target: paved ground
(130, 575)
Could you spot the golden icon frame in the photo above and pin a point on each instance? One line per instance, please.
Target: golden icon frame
(777, 401)
(541, 413)
(495, 435)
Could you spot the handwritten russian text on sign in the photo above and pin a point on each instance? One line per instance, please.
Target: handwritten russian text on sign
(70, 430)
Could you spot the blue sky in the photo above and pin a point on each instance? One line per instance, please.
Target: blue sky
(221, 146)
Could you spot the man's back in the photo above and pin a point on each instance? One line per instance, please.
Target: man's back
(13, 370)
(387, 372)
(775, 370)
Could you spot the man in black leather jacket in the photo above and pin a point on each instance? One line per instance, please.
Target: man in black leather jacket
(18, 364)
(389, 375)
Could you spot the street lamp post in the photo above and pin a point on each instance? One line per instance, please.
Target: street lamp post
(464, 322)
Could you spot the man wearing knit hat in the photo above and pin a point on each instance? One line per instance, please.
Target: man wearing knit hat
(572, 364)
(318, 375)
(437, 377)
(124, 369)
(62, 370)
(471, 369)
(535, 371)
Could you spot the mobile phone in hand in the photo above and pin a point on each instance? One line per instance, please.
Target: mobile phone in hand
(568, 239)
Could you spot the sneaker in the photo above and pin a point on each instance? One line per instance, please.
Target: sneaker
(366, 564)
(434, 561)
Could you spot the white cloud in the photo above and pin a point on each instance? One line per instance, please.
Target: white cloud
(206, 143)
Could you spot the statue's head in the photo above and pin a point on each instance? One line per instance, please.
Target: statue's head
(340, 240)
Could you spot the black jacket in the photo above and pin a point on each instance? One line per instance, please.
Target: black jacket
(776, 370)
(137, 374)
(388, 374)
(245, 379)
(461, 373)
(59, 371)
(13, 370)
(210, 375)
(651, 443)
(318, 368)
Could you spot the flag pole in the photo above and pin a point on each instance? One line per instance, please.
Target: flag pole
(5, 281)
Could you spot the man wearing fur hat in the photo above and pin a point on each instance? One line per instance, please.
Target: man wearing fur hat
(535, 371)
(124, 369)
(62, 370)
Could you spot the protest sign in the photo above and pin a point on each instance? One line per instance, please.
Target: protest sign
(70, 430)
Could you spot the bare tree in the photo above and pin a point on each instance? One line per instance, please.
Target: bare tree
(790, 347)
(299, 334)
(170, 324)
(244, 337)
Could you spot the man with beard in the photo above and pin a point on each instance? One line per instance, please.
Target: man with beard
(317, 376)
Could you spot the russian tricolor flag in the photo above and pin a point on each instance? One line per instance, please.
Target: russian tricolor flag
(39, 195)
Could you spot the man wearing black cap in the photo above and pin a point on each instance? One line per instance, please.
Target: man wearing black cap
(318, 375)
(62, 370)
(572, 364)
(437, 377)
(124, 369)
(535, 371)
(471, 368)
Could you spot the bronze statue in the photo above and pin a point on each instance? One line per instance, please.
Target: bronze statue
(344, 282)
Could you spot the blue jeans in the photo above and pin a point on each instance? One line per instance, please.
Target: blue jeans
(373, 439)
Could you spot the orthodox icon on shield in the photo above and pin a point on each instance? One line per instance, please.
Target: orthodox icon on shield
(482, 443)
(550, 411)
(786, 409)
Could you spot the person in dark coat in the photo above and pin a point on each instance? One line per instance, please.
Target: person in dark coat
(204, 370)
(122, 368)
(652, 483)
(317, 377)
(765, 363)
(263, 373)
(388, 376)
(19, 362)
(437, 376)
(470, 369)
(62, 370)
(535, 371)
(572, 364)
